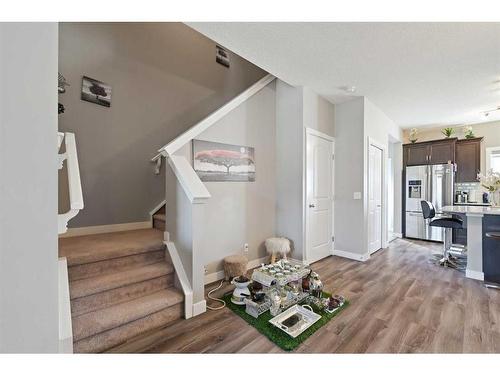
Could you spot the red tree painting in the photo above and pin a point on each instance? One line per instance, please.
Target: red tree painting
(225, 158)
(220, 162)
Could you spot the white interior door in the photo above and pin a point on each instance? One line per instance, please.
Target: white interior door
(319, 197)
(375, 189)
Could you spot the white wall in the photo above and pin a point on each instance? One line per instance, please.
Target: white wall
(289, 165)
(296, 109)
(349, 154)
(242, 212)
(356, 121)
(319, 114)
(382, 129)
(28, 188)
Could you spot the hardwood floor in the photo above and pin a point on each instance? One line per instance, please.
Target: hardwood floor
(400, 303)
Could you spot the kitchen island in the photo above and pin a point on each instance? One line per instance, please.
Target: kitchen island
(482, 253)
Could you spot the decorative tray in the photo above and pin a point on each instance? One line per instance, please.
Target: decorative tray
(295, 320)
(265, 278)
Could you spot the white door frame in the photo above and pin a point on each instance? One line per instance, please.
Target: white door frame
(305, 215)
(383, 148)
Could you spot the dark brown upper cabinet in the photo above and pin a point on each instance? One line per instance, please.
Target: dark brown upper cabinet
(468, 159)
(416, 154)
(433, 152)
(442, 152)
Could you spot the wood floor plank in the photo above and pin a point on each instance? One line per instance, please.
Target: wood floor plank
(400, 303)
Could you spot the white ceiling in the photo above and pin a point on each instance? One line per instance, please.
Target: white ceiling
(419, 74)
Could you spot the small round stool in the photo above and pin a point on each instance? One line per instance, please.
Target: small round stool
(277, 246)
(235, 265)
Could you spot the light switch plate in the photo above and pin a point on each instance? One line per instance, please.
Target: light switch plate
(356, 195)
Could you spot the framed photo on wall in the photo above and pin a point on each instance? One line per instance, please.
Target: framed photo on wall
(214, 161)
(95, 91)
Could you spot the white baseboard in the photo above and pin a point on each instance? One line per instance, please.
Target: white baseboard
(351, 255)
(199, 307)
(476, 275)
(219, 275)
(397, 235)
(98, 229)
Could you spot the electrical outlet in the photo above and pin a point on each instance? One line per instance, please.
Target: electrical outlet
(245, 248)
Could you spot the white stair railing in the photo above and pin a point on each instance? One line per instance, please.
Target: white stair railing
(74, 183)
(185, 198)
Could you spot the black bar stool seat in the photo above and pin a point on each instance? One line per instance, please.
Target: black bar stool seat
(448, 222)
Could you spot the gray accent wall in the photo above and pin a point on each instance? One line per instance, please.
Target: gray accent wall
(164, 80)
(28, 188)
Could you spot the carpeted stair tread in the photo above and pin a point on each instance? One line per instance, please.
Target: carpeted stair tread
(96, 322)
(98, 247)
(93, 285)
(122, 294)
(84, 271)
(122, 334)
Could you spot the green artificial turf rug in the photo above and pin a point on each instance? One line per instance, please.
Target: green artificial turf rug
(275, 334)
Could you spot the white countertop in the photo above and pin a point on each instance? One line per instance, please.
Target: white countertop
(472, 204)
(472, 210)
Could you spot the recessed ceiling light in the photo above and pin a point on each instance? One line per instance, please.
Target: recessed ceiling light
(350, 89)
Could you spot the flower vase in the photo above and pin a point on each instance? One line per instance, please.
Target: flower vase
(495, 198)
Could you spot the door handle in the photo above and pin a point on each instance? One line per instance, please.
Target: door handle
(312, 205)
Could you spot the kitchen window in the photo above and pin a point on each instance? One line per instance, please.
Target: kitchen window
(493, 159)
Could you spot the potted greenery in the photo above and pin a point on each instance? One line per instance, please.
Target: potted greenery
(468, 132)
(413, 135)
(448, 132)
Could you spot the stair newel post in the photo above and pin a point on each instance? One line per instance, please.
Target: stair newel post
(186, 196)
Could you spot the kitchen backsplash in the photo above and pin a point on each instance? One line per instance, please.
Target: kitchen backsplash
(473, 189)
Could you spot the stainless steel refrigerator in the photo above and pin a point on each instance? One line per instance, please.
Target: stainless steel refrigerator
(432, 183)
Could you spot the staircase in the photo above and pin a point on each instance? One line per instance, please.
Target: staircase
(121, 284)
(159, 219)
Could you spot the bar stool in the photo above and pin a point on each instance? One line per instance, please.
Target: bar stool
(447, 223)
(490, 283)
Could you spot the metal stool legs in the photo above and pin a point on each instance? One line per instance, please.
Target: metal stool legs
(448, 260)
